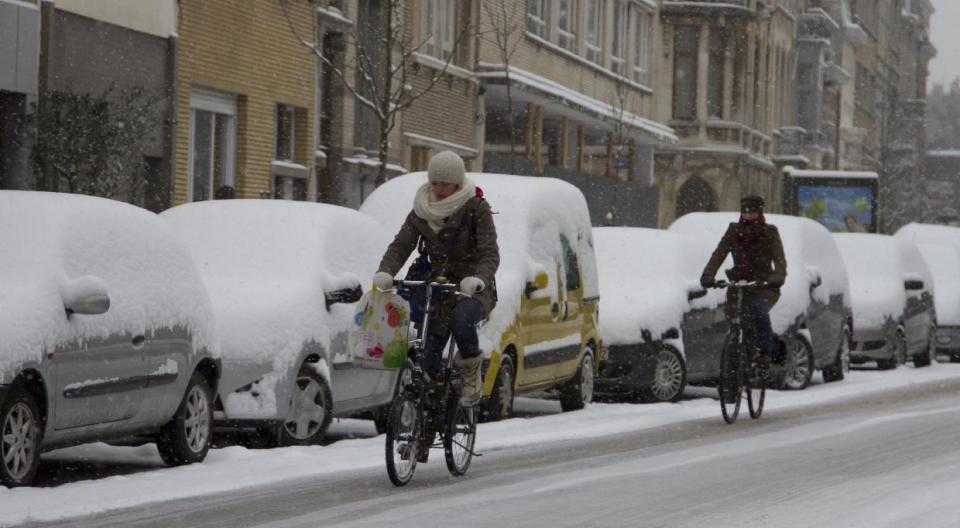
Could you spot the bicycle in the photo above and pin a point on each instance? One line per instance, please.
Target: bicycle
(424, 409)
(738, 372)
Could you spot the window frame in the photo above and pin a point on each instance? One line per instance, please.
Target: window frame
(716, 65)
(537, 17)
(220, 106)
(292, 124)
(619, 28)
(565, 36)
(642, 22)
(694, 58)
(438, 25)
(594, 14)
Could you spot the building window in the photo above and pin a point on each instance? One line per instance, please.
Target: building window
(686, 45)
(212, 143)
(641, 44)
(285, 133)
(595, 30)
(419, 158)
(289, 188)
(618, 43)
(439, 25)
(566, 35)
(718, 45)
(537, 17)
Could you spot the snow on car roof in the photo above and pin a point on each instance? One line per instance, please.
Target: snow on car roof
(944, 263)
(810, 252)
(930, 233)
(645, 275)
(876, 273)
(53, 239)
(267, 264)
(529, 214)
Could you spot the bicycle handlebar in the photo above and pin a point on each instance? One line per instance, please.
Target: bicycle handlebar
(442, 286)
(742, 285)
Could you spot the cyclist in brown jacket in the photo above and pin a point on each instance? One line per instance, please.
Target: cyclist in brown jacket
(757, 256)
(456, 227)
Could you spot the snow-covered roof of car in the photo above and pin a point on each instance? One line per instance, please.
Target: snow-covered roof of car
(930, 233)
(810, 252)
(50, 240)
(529, 213)
(876, 275)
(944, 263)
(267, 264)
(645, 275)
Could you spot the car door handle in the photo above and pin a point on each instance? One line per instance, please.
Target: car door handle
(138, 342)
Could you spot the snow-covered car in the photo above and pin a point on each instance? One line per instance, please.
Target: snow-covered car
(107, 332)
(543, 333)
(282, 276)
(891, 290)
(648, 286)
(940, 247)
(944, 263)
(813, 313)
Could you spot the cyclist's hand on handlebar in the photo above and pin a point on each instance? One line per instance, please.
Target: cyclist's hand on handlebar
(472, 285)
(774, 282)
(383, 280)
(707, 282)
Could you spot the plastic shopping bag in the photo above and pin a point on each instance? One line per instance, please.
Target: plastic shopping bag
(378, 337)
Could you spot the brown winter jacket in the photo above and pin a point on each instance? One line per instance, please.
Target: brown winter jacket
(475, 253)
(767, 261)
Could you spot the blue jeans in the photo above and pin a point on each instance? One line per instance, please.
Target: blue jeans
(760, 317)
(463, 325)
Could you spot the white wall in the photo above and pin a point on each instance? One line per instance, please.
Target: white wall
(156, 17)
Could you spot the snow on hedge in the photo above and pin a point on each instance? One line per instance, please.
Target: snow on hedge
(54, 242)
(645, 276)
(944, 263)
(810, 253)
(530, 214)
(267, 265)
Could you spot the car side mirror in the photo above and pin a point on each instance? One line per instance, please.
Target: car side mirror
(541, 281)
(86, 296)
(816, 282)
(350, 294)
(913, 285)
(696, 294)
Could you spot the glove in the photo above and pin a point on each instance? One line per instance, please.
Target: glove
(471, 285)
(774, 282)
(383, 280)
(707, 282)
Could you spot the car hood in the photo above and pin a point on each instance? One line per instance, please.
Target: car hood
(875, 299)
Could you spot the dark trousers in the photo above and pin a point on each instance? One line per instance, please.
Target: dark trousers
(463, 325)
(760, 317)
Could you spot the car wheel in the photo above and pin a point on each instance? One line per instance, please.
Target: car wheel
(499, 405)
(669, 377)
(186, 438)
(841, 366)
(898, 354)
(21, 429)
(798, 369)
(309, 410)
(578, 392)
(925, 358)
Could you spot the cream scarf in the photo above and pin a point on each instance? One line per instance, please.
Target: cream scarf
(428, 208)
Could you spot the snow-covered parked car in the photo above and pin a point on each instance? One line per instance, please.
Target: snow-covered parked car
(813, 313)
(543, 333)
(940, 247)
(107, 332)
(282, 276)
(891, 290)
(649, 285)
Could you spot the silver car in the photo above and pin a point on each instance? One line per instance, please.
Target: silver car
(284, 277)
(107, 332)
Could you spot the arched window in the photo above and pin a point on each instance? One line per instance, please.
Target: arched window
(695, 195)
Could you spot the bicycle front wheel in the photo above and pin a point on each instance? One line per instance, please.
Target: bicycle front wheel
(459, 436)
(404, 429)
(756, 392)
(729, 387)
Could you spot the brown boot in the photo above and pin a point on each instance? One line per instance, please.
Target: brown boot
(472, 384)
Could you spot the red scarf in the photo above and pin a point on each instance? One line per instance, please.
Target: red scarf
(748, 233)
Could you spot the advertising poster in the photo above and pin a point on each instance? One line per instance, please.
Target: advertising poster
(842, 209)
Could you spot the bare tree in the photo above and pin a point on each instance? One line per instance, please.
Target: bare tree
(620, 144)
(506, 32)
(382, 85)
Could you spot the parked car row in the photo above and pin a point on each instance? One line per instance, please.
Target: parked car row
(234, 314)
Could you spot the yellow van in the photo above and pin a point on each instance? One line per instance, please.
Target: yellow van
(543, 333)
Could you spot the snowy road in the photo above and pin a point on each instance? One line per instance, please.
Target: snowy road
(875, 450)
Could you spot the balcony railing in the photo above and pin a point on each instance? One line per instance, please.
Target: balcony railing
(713, 7)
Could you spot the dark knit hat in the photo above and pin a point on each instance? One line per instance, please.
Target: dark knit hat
(751, 204)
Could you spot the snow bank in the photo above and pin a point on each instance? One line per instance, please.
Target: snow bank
(645, 275)
(267, 265)
(809, 250)
(944, 263)
(530, 214)
(52, 240)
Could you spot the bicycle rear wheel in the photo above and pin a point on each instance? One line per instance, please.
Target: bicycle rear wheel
(404, 429)
(729, 387)
(756, 392)
(459, 436)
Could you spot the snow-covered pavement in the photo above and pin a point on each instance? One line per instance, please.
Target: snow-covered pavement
(237, 469)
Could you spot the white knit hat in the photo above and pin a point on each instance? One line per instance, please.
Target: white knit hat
(446, 167)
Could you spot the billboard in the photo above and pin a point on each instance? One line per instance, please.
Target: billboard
(842, 201)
